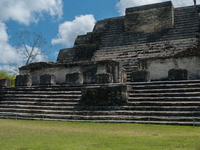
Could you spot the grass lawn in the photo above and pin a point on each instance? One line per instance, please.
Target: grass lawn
(53, 135)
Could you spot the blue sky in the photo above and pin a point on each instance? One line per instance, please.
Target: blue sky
(59, 21)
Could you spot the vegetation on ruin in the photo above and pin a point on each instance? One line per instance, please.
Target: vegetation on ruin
(51, 135)
(9, 75)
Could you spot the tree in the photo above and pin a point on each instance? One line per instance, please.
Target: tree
(9, 75)
(30, 46)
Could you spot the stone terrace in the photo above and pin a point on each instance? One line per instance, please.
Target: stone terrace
(161, 102)
(158, 102)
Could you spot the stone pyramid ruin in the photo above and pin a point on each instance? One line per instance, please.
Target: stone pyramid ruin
(139, 68)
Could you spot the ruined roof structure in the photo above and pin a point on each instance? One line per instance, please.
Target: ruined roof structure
(139, 68)
(145, 32)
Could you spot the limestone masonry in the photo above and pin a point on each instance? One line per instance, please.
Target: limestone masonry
(155, 37)
(142, 67)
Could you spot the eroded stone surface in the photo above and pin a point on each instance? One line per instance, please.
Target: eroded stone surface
(23, 80)
(74, 78)
(157, 33)
(140, 76)
(149, 18)
(104, 95)
(103, 78)
(178, 74)
(5, 82)
(47, 79)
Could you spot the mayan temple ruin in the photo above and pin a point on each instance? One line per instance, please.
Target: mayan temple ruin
(139, 68)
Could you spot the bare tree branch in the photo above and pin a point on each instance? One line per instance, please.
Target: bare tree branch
(31, 45)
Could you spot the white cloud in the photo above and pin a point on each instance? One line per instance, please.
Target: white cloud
(10, 69)
(69, 30)
(123, 4)
(8, 53)
(41, 58)
(26, 11)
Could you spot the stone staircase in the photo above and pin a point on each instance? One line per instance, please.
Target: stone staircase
(113, 36)
(186, 23)
(170, 102)
(37, 102)
(129, 48)
(161, 102)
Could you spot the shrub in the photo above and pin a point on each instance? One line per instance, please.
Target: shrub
(9, 75)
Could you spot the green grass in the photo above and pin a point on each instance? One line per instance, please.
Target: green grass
(50, 135)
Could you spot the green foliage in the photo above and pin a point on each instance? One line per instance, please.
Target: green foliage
(9, 75)
(34, 135)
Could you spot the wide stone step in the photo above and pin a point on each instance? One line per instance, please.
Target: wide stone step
(108, 119)
(135, 48)
(163, 38)
(178, 94)
(42, 96)
(167, 90)
(182, 23)
(176, 34)
(173, 82)
(163, 103)
(48, 89)
(172, 98)
(43, 92)
(105, 113)
(173, 37)
(102, 108)
(16, 106)
(166, 86)
(86, 110)
(40, 103)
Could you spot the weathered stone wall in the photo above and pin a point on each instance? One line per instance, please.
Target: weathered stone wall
(159, 68)
(74, 78)
(5, 82)
(149, 18)
(151, 31)
(178, 74)
(101, 25)
(47, 79)
(140, 76)
(23, 80)
(66, 55)
(104, 95)
(84, 45)
(88, 68)
(58, 72)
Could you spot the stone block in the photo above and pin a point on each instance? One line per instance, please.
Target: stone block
(74, 78)
(47, 79)
(112, 67)
(104, 95)
(5, 82)
(89, 72)
(140, 76)
(66, 55)
(23, 80)
(103, 78)
(149, 18)
(178, 74)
